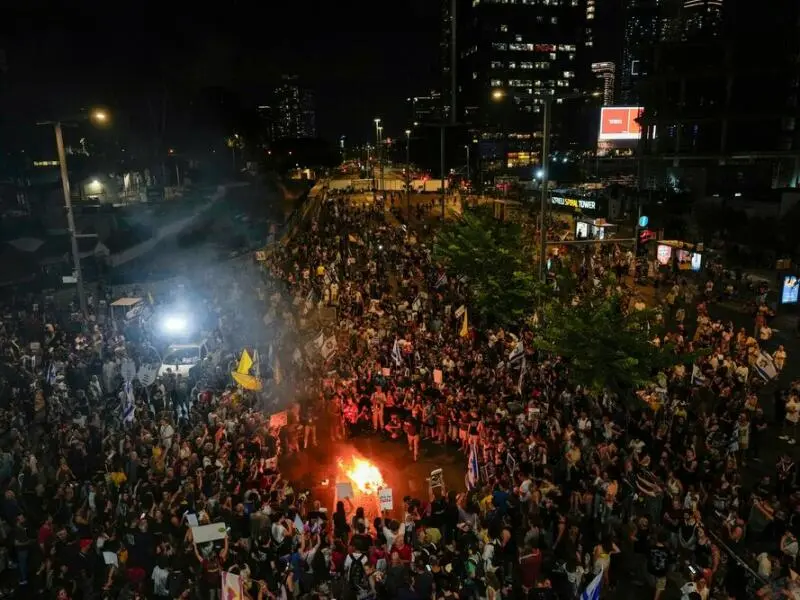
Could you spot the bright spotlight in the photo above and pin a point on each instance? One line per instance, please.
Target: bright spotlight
(539, 174)
(175, 324)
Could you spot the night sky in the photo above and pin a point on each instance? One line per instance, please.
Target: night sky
(361, 59)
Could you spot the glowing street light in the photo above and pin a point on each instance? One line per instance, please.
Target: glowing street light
(498, 94)
(100, 117)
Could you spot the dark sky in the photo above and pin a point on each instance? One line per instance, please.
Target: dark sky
(360, 58)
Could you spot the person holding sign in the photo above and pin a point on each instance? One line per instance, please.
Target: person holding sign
(212, 569)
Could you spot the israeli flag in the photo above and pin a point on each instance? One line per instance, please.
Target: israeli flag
(592, 591)
(397, 357)
(128, 404)
(472, 467)
(51, 373)
(517, 354)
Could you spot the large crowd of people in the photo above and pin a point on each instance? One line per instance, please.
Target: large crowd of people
(105, 479)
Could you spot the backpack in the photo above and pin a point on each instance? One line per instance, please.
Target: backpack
(357, 576)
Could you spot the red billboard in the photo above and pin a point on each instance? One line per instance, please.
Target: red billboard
(619, 123)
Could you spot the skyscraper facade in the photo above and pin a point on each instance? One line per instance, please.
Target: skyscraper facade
(606, 73)
(647, 23)
(294, 110)
(722, 108)
(512, 54)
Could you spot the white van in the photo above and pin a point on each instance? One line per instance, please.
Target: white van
(180, 358)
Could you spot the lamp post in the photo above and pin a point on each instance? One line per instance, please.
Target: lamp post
(381, 158)
(548, 109)
(468, 173)
(101, 117)
(408, 174)
(499, 95)
(377, 159)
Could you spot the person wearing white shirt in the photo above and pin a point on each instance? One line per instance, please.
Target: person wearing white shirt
(791, 419)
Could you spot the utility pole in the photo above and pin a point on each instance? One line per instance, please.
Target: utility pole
(408, 174)
(441, 156)
(468, 174)
(377, 159)
(548, 108)
(73, 238)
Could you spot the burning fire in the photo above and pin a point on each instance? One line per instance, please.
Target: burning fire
(365, 475)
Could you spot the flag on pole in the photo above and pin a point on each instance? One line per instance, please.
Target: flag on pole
(244, 363)
(397, 357)
(472, 467)
(592, 591)
(765, 366)
(51, 373)
(517, 354)
(464, 326)
(128, 404)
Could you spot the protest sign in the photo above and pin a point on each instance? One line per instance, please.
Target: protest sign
(209, 533)
(279, 419)
(344, 490)
(232, 586)
(386, 498)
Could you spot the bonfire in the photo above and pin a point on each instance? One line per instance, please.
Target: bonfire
(364, 474)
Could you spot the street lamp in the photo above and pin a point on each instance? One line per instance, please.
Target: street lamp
(377, 122)
(498, 95)
(408, 174)
(545, 175)
(469, 178)
(100, 117)
(380, 156)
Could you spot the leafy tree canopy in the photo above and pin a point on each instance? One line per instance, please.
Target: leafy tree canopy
(605, 346)
(493, 254)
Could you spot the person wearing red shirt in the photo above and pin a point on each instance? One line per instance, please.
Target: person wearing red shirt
(402, 549)
(45, 532)
(530, 568)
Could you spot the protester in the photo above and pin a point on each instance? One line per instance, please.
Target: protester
(105, 477)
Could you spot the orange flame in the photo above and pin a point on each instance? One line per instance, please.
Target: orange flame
(365, 475)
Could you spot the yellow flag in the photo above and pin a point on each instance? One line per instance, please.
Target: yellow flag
(464, 326)
(277, 373)
(248, 382)
(244, 363)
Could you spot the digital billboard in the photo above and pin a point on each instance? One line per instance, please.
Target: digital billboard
(619, 123)
(791, 287)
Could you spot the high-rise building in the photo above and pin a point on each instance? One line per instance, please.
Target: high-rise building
(427, 109)
(722, 109)
(294, 110)
(606, 73)
(266, 115)
(511, 56)
(647, 23)
(701, 18)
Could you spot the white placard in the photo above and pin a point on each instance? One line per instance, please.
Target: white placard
(191, 519)
(385, 498)
(110, 559)
(209, 533)
(344, 490)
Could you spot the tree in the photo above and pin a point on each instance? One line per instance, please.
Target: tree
(498, 263)
(605, 346)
